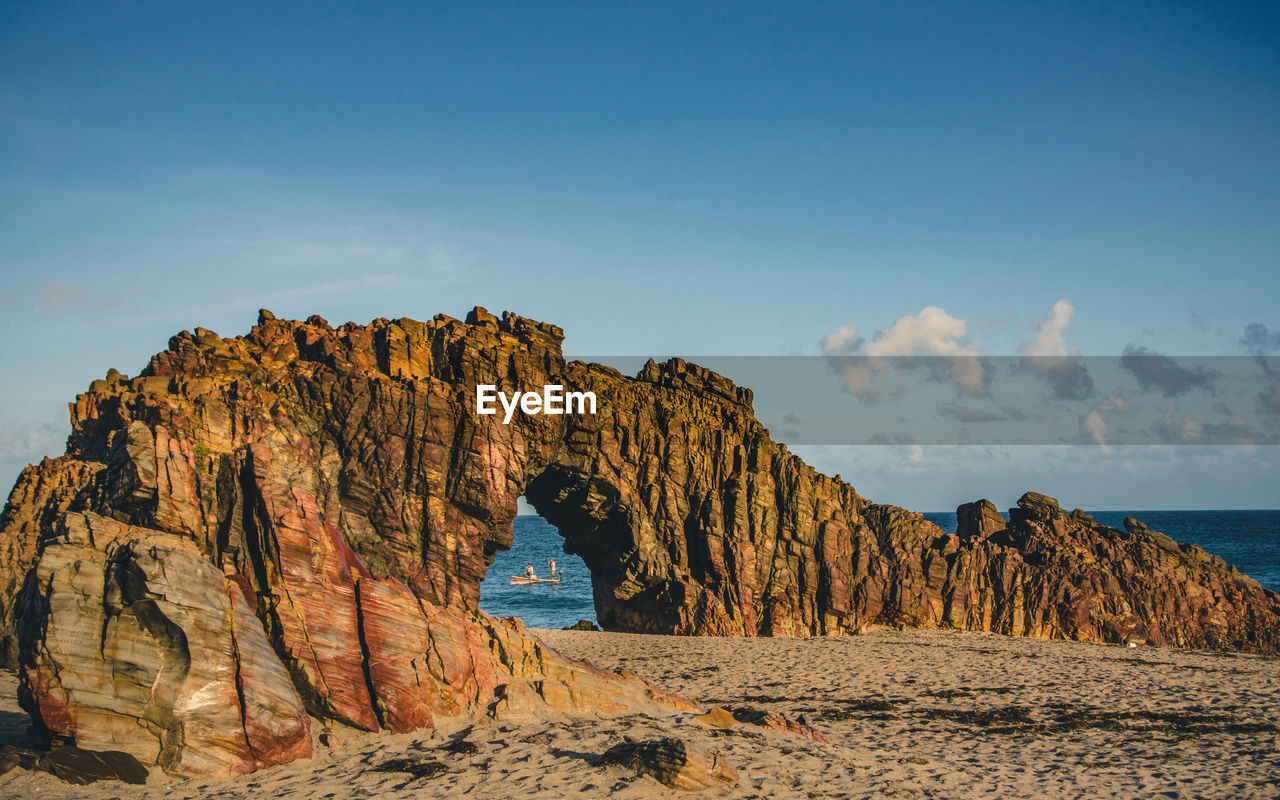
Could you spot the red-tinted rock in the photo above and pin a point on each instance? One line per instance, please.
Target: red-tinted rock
(145, 648)
(396, 636)
(40, 496)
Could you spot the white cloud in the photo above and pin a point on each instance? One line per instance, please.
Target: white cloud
(1048, 355)
(28, 442)
(1094, 425)
(1232, 430)
(1049, 339)
(933, 333)
(842, 341)
(915, 455)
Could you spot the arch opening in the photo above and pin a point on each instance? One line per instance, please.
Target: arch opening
(540, 605)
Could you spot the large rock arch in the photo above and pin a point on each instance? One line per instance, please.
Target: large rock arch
(301, 518)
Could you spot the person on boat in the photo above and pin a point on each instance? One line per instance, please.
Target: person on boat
(529, 573)
(551, 564)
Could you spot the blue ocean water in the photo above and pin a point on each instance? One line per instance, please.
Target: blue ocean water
(1248, 540)
(540, 605)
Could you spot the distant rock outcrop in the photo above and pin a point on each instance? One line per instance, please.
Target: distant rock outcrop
(1054, 574)
(293, 525)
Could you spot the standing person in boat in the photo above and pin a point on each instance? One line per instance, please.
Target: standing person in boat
(551, 564)
(529, 573)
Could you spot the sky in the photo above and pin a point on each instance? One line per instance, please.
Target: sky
(714, 179)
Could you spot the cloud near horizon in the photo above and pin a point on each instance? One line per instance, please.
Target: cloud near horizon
(1154, 371)
(1260, 343)
(1048, 356)
(1094, 427)
(1049, 392)
(1258, 340)
(1233, 430)
(932, 339)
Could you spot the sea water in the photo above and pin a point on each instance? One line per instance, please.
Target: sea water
(540, 605)
(1248, 540)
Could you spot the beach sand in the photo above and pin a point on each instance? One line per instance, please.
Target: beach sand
(908, 714)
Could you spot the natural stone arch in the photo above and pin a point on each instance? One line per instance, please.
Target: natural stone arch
(338, 501)
(690, 517)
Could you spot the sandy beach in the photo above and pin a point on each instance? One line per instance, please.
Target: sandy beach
(908, 714)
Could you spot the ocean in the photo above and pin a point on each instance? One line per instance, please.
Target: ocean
(1248, 540)
(540, 605)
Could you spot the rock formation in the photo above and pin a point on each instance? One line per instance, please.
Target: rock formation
(672, 762)
(74, 765)
(293, 525)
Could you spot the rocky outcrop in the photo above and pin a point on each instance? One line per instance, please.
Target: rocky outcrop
(40, 496)
(777, 721)
(134, 642)
(1050, 573)
(672, 762)
(292, 525)
(137, 643)
(718, 717)
(74, 765)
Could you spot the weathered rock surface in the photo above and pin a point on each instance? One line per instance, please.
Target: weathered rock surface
(74, 765)
(777, 721)
(718, 717)
(672, 762)
(144, 647)
(293, 525)
(1050, 573)
(134, 642)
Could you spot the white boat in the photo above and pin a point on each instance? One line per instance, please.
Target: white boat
(520, 579)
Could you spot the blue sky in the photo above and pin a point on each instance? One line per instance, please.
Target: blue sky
(693, 179)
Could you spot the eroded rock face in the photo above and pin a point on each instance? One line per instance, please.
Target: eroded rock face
(137, 643)
(133, 641)
(294, 524)
(1051, 573)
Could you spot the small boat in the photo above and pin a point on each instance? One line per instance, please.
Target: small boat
(517, 580)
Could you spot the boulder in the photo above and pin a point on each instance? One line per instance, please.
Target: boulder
(74, 765)
(673, 763)
(978, 520)
(717, 717)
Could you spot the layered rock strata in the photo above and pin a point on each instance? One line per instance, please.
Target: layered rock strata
(293, 525)
(134, 641)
